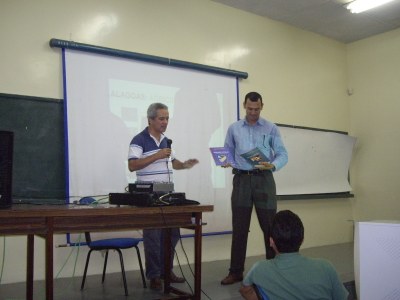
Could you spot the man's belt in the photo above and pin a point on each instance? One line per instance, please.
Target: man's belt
(248, 172)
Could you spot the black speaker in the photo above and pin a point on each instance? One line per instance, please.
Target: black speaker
(6, 159)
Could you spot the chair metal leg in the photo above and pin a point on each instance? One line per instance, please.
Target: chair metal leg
(121, 259)
(86, 267)
(104, 267)
(141, 267)
(123, 271)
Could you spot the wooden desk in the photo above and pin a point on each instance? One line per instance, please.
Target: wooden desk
(47, 220)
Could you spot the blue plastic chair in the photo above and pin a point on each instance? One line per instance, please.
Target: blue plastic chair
(113, 244)
(261, 293)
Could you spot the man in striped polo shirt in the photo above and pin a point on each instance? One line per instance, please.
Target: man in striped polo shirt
(150, 155)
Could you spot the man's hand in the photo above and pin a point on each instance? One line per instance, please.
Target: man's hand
(248, 292)
(138, 164)
(263, 165)
(228, 165)
(190, 163)
(163, 153)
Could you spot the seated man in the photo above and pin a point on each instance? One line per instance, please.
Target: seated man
(290, 275)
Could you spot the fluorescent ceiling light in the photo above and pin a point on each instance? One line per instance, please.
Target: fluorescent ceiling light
(358, 6)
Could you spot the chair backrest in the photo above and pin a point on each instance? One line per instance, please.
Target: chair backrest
(88, 238)
(261, 293)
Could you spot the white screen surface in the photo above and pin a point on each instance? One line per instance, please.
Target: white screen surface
(106, 102)
(319, 162)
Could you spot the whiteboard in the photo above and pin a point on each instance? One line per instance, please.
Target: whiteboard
(318, 163)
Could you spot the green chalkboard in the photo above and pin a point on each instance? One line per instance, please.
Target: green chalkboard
(39, 151)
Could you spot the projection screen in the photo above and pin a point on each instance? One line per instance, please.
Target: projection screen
(106, 102)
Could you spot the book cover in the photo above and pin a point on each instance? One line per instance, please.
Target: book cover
(254, 157)
(221, 156)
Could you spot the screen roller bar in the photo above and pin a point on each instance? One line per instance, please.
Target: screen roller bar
(56, 43)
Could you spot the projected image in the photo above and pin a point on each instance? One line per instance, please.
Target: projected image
(129, 102)
(107, 101)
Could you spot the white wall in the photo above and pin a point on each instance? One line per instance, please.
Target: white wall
(374, 77)
(302, 77)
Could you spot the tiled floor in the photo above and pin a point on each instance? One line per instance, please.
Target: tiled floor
(340, 255)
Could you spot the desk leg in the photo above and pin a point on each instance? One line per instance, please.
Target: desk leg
(197, 256)
(167, 260)
(49, 260)
(197, 262)
(29, 266)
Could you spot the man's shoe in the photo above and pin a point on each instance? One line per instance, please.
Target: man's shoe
(156, 284)
(232, 278)
(176, 279)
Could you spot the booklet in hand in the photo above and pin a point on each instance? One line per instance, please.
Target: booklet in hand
(222, 156)
(254, 157)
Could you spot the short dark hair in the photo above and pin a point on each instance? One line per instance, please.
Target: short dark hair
(287, 231)
(252, 96)
(152, 110)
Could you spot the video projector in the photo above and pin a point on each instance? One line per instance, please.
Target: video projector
(150, 187)
(147, 194)
(147, 199)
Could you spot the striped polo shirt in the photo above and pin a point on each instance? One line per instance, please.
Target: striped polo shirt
(144, 145)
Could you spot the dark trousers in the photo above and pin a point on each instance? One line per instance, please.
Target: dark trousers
(251, 190)
(153, 241)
